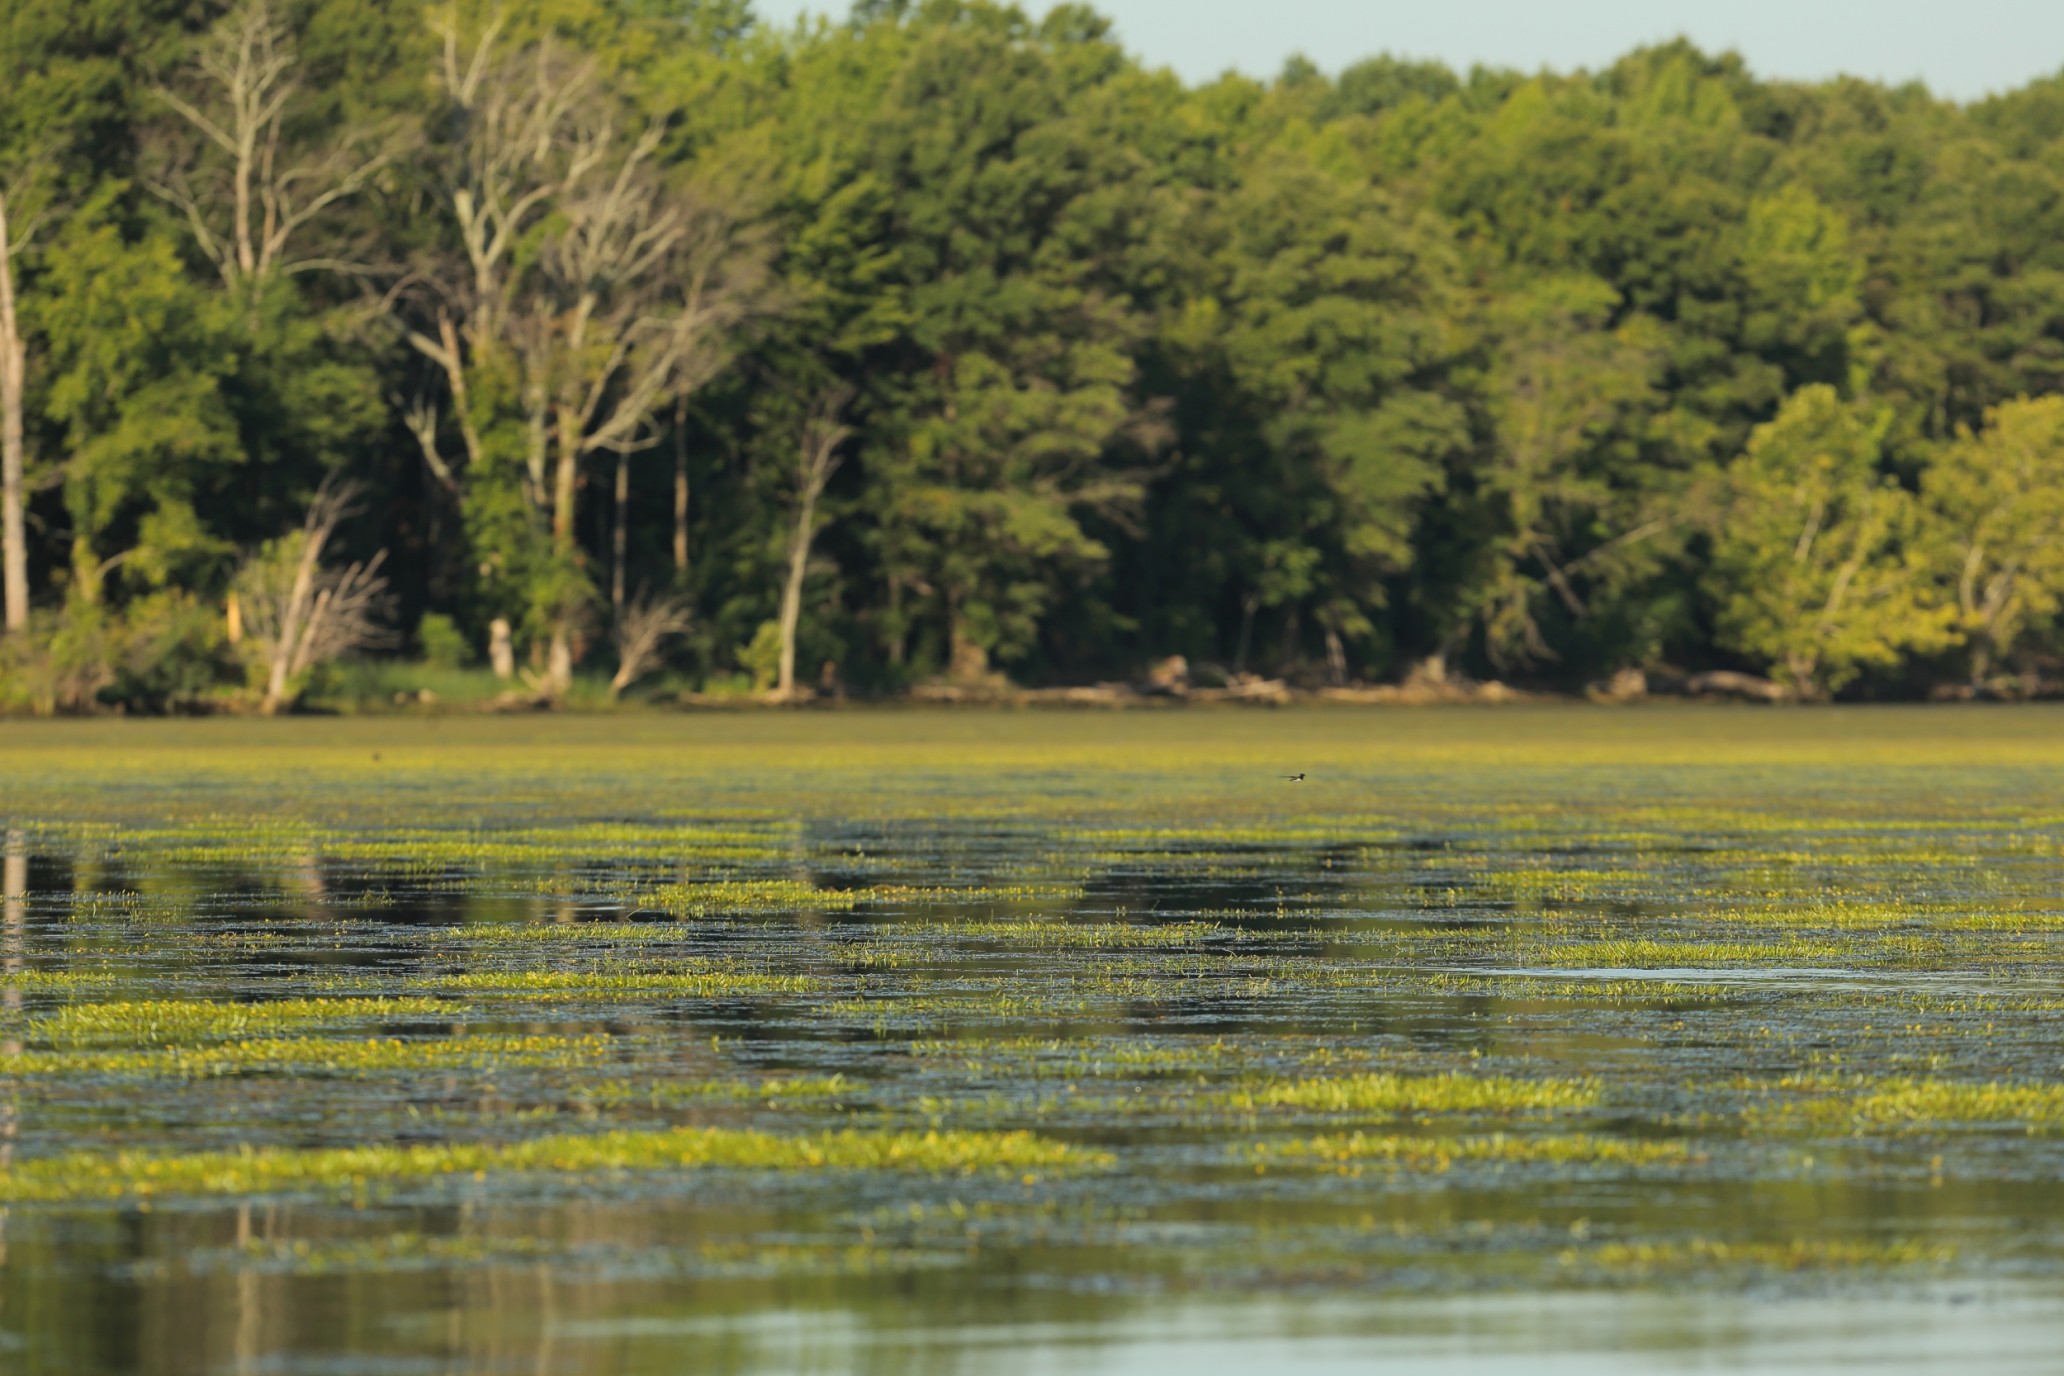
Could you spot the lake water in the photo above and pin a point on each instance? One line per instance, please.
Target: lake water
(1533, 1039)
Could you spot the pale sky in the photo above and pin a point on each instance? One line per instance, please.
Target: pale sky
(1963, 49)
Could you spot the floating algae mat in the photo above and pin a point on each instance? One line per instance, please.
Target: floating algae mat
(974, 1041)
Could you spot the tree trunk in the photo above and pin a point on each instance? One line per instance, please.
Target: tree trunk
(817, 458)
(14, 540)
(564, 480)
(792, 591)
(899, 641)
(966, 662)
(619, 537)
(286, 649)
(501, 648)
(559, 662)
(1802, 669)
(681, 488)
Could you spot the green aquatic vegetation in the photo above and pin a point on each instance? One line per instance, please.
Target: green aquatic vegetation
(1649, 953)
(1907, 1104)
(56, 981)
(2003, 922)
(1841, 915)
(262, 840)
(166, 1022)
(751, 896)
(669, 1093)
(1560, 883)
(1632, 988)
(1057, 932)
(1122, 937)
(1303, 832)
(1000, 1003)
(1053, 1057)
(316, 1055)
(1873, 857)
(1380, 1093)
(913, 895)
(1441, 1154)
(275, 1170)
(877, 955)
(618, 982)
(516, 936)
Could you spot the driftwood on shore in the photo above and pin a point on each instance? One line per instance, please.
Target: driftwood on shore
(1633, 685)
(1175, 680)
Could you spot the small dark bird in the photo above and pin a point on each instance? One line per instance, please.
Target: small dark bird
(1295, 778)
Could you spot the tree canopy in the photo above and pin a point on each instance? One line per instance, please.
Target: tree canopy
(1539, 376)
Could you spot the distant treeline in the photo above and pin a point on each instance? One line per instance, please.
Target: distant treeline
(604, 339)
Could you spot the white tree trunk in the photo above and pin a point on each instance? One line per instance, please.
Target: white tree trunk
(286, 648)
(792, 590)
(559, 662)
(14, 540)
(501, 648)
(817, 458)
(565, 489)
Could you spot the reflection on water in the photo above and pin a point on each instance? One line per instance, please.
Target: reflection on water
(1559, 1334)
(1440, 1064)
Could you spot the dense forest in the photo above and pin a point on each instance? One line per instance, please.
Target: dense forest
(634, 344)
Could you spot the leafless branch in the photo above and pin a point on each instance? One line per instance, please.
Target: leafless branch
(245, 194)
(420, 416)
(644, 628)
(299, 614)
(629, 299)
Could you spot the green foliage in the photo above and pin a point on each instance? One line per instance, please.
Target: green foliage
(1816, 556)
(761, 656)
(163, 651)
(1997, 500)
(445, 646)
(138, 352)
(1318, 377)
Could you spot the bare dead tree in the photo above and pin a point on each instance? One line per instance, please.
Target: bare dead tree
(245, 188)
(642, 631)
(816, 460)
(628, 300)
(637, 297)
(300, 615)
(521, 146)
